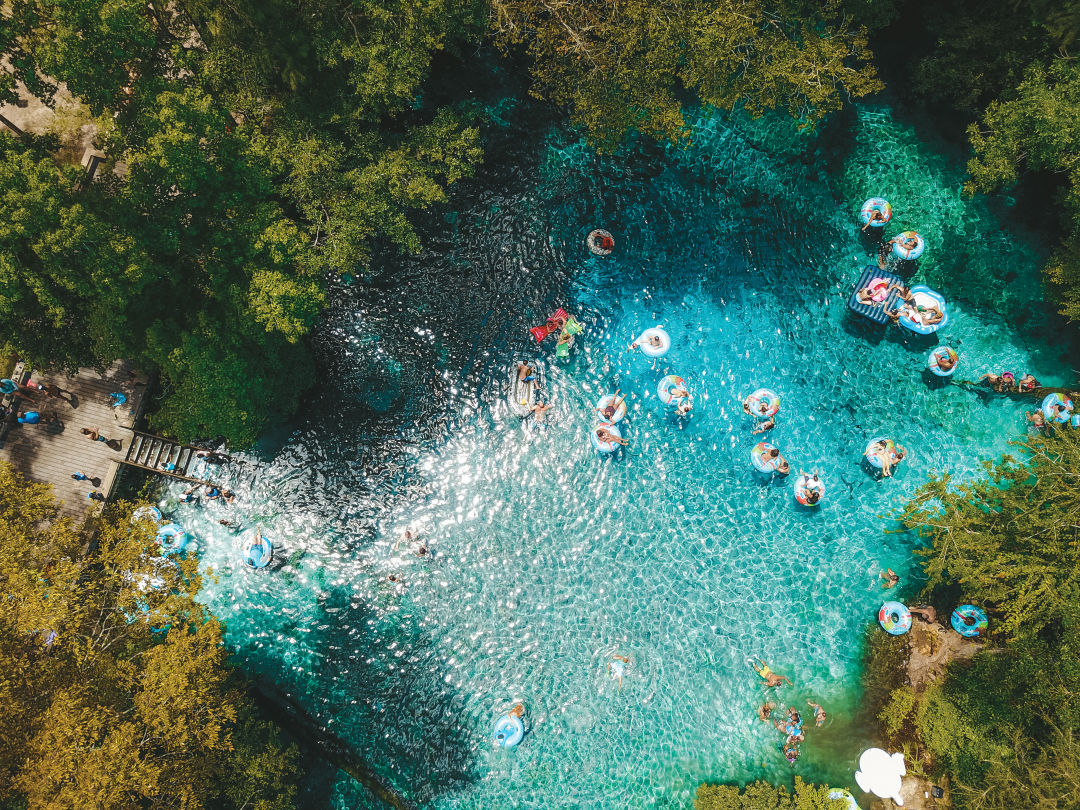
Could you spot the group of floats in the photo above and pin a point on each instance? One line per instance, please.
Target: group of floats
(970, 621)
(257, 550)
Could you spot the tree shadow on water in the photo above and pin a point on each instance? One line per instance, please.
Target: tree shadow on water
(384, 713)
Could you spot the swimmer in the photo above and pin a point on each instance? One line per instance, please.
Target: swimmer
(782, 465)
(813, 487)
(932, 316)
(517, 712)
(212, 493)
(891, 578)
(606, 436)
(875, 216)
(684, 407)
(768, 424)
(617, 667)
(791, 752)
(771, 678)
(540, 409)
(1000, 383)
(525, 373)
(654, 341)
(819, 713)
(228, 495)
(904, 293)
(1037, 419)
(765, 710)
(945, 362)
(613, 407)
(229, 524)
(892, 314)
(421, 551)
(1028, 383)
(188, 495)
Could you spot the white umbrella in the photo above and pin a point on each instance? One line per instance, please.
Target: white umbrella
(880, 773)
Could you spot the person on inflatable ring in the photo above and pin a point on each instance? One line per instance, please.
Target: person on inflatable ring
(813, 488)
(612, 408)
(606, 437)
(762, 406)
(945, 361)
(880, 451)
(782, 465)
(875, 217)
(905, 242)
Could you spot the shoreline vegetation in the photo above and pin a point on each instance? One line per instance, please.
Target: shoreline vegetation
(257, 155)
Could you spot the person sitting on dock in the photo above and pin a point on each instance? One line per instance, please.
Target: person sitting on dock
(28, 417)
(612, 407)
(606, 437)
(213, 457)
(1028, 383)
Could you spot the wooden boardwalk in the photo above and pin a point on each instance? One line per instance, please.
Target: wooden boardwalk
(51, 453)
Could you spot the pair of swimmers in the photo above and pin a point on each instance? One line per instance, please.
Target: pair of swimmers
(526, 373)
(923, 315)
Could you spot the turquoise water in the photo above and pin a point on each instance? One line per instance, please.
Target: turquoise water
(546, 559)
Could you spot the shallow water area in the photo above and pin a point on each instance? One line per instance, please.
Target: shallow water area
(546, 561)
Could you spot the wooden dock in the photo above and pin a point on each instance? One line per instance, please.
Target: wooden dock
(52, 451)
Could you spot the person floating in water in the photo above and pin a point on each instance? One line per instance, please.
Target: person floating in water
(540, 409)
(606, 437)
(791, 751)
(771, 678)
(768, 424)
(762, 406)
(875, 217)
(1037, 419)
(880, 451)
(819, 713)
(684, 407)
(517, 712)
(813, 487)
(765, 711)
(654, 341)
(945, 362)
(617, 667)
(603, 241)
(608, 412)
(891, 578)
(525, 372)
(1000, 383)
(189, 495)
(905, 243)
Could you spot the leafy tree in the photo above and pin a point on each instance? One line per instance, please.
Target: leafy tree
(114, 682)
(623, 67)
(1010, 538)
(763, 796)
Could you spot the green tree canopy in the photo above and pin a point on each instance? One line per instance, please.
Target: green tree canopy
(629, 66)
(114, 686)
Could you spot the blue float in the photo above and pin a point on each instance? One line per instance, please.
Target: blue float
(939, 354)
(894, 618)
(173, 538)
(259, 551)
(970, 621)
(879, 204)
(926, 297)
(605, 447)
(1050, 411)
(509, 731)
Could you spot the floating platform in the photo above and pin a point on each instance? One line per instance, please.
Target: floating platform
(875, 312)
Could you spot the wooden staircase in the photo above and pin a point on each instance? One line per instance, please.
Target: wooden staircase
(163, 456)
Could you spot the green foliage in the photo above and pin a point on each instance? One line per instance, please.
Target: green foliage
(113, 692)
(1011, 538)
(763, 796)
(623, 67)
(897, 712)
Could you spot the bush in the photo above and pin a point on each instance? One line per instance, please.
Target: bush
(763, 796)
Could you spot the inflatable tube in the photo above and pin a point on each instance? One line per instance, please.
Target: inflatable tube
(934, 360)
(606, 400)
(509, 731)
(647, 348)
(1051, 414)
(665, 386)
(1075, 420)
(173, 538)
(875, 204)
(890, 447)
(803, 485)
(523, 394)
(925, 297)
(760, 462)
(605, 447)
(879, 290)
(600, 242)
(259, 551)
(910, 254)
(840, 793)
(763, 403)
(8, 386)
(970, 621)
(541, 332)
(894, 618)
(146, 513)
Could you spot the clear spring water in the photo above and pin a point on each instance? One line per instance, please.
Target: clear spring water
(547, 559)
